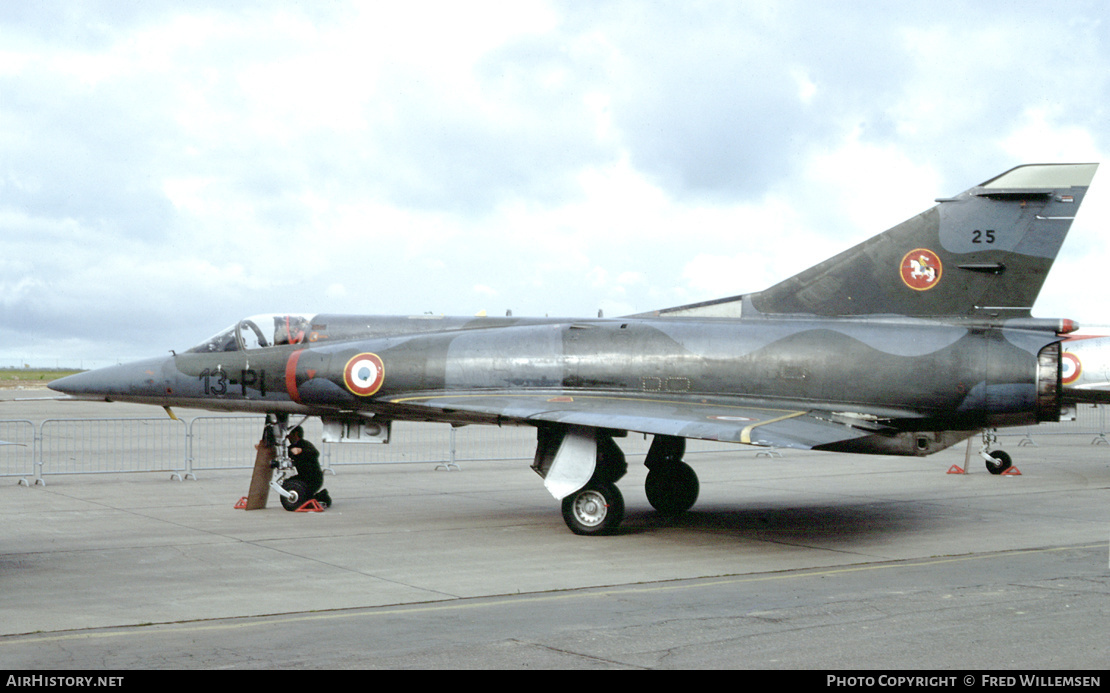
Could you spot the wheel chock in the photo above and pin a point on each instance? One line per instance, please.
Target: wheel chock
(956, 469)
(242, 504)
(310, 506)
(1012, 471)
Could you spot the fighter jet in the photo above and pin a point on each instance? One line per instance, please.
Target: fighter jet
(905, 344)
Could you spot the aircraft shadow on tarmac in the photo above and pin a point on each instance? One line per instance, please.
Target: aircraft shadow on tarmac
(843, 524)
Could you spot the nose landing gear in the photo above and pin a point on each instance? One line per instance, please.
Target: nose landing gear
(274, 470)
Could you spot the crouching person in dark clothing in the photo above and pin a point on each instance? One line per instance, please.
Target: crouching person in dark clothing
(306, 459)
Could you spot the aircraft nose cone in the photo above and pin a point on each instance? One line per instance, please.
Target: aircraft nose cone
(80, 384)
(139, 378)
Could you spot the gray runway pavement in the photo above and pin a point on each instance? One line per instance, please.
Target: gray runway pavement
(811, 560)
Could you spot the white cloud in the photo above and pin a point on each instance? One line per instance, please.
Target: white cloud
(1043, 134)
(221, 161)
(871, 187)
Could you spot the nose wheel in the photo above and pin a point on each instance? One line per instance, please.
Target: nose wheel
(298, 494)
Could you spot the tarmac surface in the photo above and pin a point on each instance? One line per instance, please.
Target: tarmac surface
(806, 561)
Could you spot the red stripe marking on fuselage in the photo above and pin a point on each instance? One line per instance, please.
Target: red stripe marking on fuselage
(291, 376)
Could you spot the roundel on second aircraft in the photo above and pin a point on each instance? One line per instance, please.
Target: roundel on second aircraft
(364, 374)
(1070, 368)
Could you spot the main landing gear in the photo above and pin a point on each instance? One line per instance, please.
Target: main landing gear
(595, 509)
(598, 507)
(672, 486)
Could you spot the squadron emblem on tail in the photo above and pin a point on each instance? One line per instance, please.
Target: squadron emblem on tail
(921, 269)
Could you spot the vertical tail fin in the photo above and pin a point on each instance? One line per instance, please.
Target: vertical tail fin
(985, 252)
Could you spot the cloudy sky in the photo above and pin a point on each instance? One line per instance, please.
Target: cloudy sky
(169, 167)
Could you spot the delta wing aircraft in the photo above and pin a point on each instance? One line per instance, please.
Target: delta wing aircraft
(906, 344)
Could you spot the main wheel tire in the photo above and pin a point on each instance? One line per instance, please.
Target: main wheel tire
(300, 496)
(672, 488)
(1002, 462)
(596, 509)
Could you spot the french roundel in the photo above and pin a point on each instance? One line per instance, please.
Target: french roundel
(1070, 368)
(364, 374)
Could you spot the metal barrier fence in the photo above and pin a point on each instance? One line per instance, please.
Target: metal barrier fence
(204, 443)
(101, 446)
(17, 448)
(182, 448)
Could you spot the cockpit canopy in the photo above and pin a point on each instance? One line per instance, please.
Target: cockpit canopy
(259, 332)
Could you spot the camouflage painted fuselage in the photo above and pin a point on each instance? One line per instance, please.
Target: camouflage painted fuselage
(719, 377)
